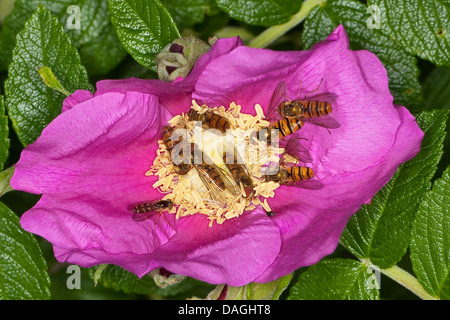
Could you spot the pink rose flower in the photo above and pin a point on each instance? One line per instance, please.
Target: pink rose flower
(89, 162)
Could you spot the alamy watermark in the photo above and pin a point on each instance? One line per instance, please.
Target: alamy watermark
(374, 21)
(373, 282)
(234, 146)
(74, 280)
(74, 19)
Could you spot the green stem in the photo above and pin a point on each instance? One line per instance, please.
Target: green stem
(274, 32)
(403, 278)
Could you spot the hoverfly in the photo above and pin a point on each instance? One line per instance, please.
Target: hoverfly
(210, 120)
(315, 109)
(293, 145)
(146, 209)
(215, 179)
(239, 171)
(284, 127)
(171, 143)
(289, 116)
(299, 176)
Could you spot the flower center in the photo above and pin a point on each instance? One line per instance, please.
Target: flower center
(210, 162)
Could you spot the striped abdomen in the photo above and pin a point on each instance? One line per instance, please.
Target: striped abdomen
(212, 173)
(312, 109)
(305, 108)
(210, 120)
(167, 132)
(287, 126)
(239, 173)
(216, 121)
(298, 173)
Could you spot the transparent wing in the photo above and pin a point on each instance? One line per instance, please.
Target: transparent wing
(229, 184)
(233, 156)
(327, 121)
(278, 96)
(242, 179)
(270, 168)
(138, 217)
(294, 147)
(309, 184)
(326, 96)
(215, 191)
(141, 216)
(226, 177)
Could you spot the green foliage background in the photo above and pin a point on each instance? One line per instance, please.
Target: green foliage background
(405, 228)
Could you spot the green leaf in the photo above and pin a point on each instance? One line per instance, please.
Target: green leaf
(381, 231)
(260, 12)
(4, 132)
(101, 55)
(116, 278)
(401, 66)
(422, 27)
(430, 243)
(268, 291)
(14, 23)
(186, 13)
(100, 48)
(436, 89)
(31, 104)
(143, 27)
(94, 23)
(5, 178)
(282, 284)
(93, 18)
(336, 279)
(6, 7)
(23, 272)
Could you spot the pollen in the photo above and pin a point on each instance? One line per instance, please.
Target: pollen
(212, 187)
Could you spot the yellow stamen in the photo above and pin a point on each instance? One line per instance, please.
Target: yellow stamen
(189, 193)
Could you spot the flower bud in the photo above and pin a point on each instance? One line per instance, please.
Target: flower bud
(164, 278)
(179, 57)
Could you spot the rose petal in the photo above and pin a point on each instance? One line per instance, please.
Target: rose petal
(76, 98)
(357, 156)
(310, 228)
(90, 163)
(196, 250)
(88, 180)
(176, 96)
(234, 252)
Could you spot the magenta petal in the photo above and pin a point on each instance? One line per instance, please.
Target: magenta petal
(120, 130)
(235, 252)
(89, 164)
(88, 227)
(353, 162)
(311, 229)
(196, 250)
(246, 76)
(76, 98)
(176, 97)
